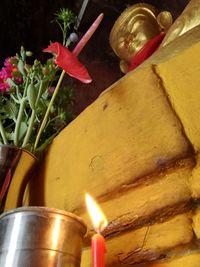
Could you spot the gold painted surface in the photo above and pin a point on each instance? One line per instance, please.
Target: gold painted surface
(188, 260)
(130, 131)
(159, 197)
(195, 181)
(196, 223)
(180, 77)
(159, 240)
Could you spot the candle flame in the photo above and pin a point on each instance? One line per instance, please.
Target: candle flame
(97, 216)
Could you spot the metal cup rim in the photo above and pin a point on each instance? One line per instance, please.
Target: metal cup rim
(50, 211)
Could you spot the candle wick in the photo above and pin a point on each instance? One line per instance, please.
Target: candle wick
(98, 231)
(100, 227)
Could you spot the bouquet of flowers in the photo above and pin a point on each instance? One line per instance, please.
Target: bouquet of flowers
(32, 102)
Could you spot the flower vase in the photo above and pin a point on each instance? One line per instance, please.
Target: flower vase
(16, 166)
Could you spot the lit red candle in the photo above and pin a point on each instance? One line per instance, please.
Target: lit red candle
(98, 242)
(98, 251)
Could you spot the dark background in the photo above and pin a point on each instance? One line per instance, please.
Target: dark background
(27, 23)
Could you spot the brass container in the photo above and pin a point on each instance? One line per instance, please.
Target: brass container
(16, 167)
(39, 237)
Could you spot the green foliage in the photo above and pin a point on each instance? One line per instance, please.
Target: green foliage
(28, 93)
(65, 18)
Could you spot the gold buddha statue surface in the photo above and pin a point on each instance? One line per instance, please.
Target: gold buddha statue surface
(189, 19)
(137, 25)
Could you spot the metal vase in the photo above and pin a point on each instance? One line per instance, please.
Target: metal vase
(40, 237)
(16, 166)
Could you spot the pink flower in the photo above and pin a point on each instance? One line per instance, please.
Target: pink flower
(68, 62)
(4, 75)
(7, 63)
(10, 63)
(7, 73)
(10, 71)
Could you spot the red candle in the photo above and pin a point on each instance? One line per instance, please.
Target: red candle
(98, 242)
(98, 251)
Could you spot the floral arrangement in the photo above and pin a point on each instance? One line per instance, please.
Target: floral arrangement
(33, 100)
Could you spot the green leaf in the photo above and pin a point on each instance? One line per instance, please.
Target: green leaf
(42, 106)
(11, 110)
(32, 95)
(22, 130)
(20, 66)
(10, 82)
(10, 136)
(44, 145)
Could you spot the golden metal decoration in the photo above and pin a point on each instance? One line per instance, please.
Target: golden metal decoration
(16, 166)
(185, 22)
(135, 26)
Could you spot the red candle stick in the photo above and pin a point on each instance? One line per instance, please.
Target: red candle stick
(98, 242)
(98, 251)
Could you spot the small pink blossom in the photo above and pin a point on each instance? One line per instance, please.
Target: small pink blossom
(10, 70)
(7, 63)
(10, 62)
(4, 75)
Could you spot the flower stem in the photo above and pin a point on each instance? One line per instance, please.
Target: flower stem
(19, 120)
(3, 133)
(33, 114)
(22, 102)
(30, 127)
(47, 111)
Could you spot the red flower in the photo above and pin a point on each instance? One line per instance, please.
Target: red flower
(68, 62)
